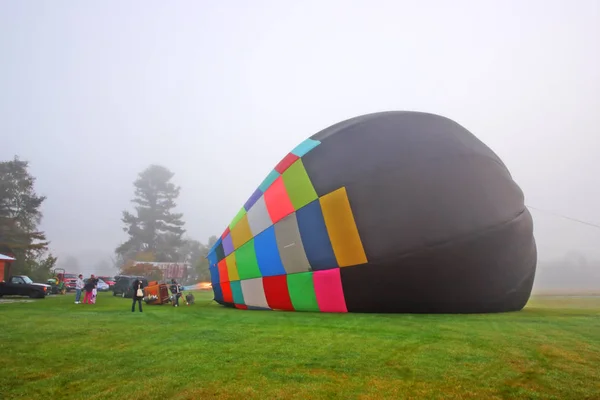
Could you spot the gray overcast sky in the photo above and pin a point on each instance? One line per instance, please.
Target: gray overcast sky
(92, 92)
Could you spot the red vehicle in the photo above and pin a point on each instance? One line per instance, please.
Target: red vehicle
(110, 281)
(70, 281)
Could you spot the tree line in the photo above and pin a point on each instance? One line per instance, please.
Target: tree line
(155, 232)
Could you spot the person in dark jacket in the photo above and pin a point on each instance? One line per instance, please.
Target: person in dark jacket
(89, 289)
(176, 291)
(137, 285)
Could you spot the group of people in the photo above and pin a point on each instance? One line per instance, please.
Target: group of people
(90, 287)
(176, 293)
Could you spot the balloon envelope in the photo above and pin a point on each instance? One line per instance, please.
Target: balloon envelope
(386, 212)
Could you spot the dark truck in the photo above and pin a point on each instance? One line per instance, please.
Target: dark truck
(21, 285)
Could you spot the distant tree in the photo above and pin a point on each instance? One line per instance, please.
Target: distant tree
(150, 271)
(212, 240)
(153, 227)
(20, 216)
(39, 269)
(202, 271)
(103, 267)
(191, 251)
(201, 266)
(70, 264)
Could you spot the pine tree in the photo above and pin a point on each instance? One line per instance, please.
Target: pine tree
(20, 216)
(154, 227)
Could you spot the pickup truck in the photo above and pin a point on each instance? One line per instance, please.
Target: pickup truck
(21, 285)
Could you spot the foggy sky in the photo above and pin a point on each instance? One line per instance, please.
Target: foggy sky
(92, 92)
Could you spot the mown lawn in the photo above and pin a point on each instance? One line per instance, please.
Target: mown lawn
(53, 349)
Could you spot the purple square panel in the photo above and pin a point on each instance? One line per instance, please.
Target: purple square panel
(228, 244)
(255, 196)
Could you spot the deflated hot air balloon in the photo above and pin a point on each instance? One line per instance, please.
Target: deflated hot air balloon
(386, 212)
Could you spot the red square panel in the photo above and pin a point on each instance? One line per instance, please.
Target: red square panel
(227, 293)
(276, 292)
(223, 274)
(225, 233)
(241, 306)
(286, 162)
(277, 200)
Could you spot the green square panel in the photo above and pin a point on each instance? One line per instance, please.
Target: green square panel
(246, 260)
(298, 185)
(237, 218)
(236, 289)
(302, 291)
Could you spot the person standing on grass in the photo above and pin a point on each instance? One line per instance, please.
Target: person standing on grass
(95, 290)
(176, 291)
(89, 288)
(79, 284)
(138, 294)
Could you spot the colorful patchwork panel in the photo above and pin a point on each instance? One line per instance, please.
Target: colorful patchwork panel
(255, 196)
(225, 233)
(343, 233)
(212, 258)
(227, 294)
(218, 293)
(215, 279)
(329, 291)
(298, 186)
(302, 292)
(267, 253)
(223, 273)
(228, 244)
(273, 175)
(276, 293)
(284, 249)
(277, 201)
(305, 147)
(290, 245)
(220, 251)
(315, 237)
(237, 217)
(238, 295)
(232, 271)
(241, 232)
(254, 293)
(258, 217)
(246, 261)
(287, 161)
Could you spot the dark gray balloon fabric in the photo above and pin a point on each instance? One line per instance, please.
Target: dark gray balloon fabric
(388, 212)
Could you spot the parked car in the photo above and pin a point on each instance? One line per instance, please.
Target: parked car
(123, 286)
(22, 285)
(102, 285)
(110, 281)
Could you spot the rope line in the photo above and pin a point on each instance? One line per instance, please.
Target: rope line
(565, 217)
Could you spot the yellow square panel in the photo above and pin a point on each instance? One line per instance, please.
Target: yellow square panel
(241, 232)
(232, 267)
(343, 233)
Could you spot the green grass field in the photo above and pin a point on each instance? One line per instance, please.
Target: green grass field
(52, 348)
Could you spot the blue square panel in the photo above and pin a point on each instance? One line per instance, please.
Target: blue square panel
(272, 177)
(212, 258)
(315, 237)
(267, 253)
(305, 147)
(214, 274)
